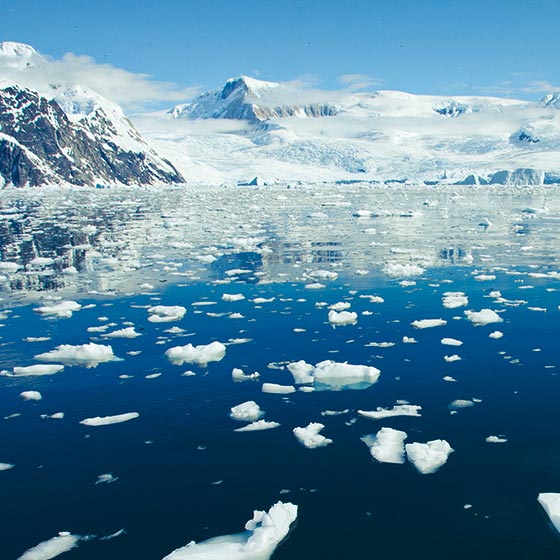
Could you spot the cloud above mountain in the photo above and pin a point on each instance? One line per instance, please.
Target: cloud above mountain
(129, 89)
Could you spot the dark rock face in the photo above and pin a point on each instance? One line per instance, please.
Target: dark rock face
(39, 144)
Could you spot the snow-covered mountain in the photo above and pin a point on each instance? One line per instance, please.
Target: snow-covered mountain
(70, 135)
(249, 128)
(254, 100)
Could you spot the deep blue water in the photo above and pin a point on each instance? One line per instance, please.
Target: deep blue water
(168, 460)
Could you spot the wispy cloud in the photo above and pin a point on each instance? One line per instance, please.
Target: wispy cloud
(131, 90)
(510, 88)
(356, 82)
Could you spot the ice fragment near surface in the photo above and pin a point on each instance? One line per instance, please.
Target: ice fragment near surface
(310, 436)
(51, 548)
(200, 355)
(428, 457)
(387, 446)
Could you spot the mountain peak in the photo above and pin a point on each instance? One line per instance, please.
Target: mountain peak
(19, 56)
(551, 99)
(246, 85)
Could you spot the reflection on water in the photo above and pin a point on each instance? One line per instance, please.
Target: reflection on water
(116, 240)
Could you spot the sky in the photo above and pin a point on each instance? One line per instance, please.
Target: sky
(175, 48)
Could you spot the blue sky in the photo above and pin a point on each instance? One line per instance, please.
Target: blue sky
(492, 47)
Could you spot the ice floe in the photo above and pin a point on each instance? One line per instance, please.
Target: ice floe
(166, 313)
(64, 309)
(452, 300)
(483, 317)
(257, 426)
(107, 420)
(248, 411)
(334, 375)
(106, 478)
(6, 466)
(550, 501)
(232, 297)
(128, 332)
(496, 439)
(37, 369)
(460, 403)
(31, 395)
(397, 410)
(278, 389)
(452, 358)
(51, 548)
(387, 446)
(88, 355)
(496, 335)
(200, 355)
(263, 533)
(451, 342)
(428, 323)
(310, 436)
(399, 270)
(428, 457)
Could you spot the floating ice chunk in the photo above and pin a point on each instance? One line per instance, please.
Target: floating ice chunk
(451, 300)
(88, 355)
(460, 403)
(64, 309)
(278, 389)
(314, 286)
(449, 378)
(302, 372)
(336, 375)
(128, 332)
(550, 502)
(323, 275)
(483, 317)
(200, 355)
(37, 338)
(335, 412)
(37, 369)
(51, 548)
(409, 340)
(238, 375)
(6, 466)
(451, 342)
(166, 313)
(236, 316)
(262, 535)
(106, 420)
(397, 410)
(496, 439)
(106, 478)
(233, 297)
(452, 358)
(428, 457)
(496, 335)
(310, 436)
(340, 306)
(387, 446)
(56, 416)
(379, 344)
(248, 411)
(261, 300)
(31, 395)
(399, 270)
(342, 318)
(428, 323)
(258, 425)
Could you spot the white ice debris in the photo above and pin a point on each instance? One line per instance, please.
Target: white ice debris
(496, 334)
(399, 270)
(257, 426)
(342, 318)
(37, 369)
(200, 355)
(233, 297)
(450, 379)
(452, 358)
(278, 389)
(31, 395)
(88, 355)
(460, 403)
(51, 548)
(106, 420)
(237, 374)
(428, 323)
(387, 446)
(166, 313)
(263, 533)
(64, 309)
(428, 457)
(335, 375)
(409, 340)
(451, 342)
(128, 332)
(248, 411)
(323, 275)
(397, 410)
(310, 436)
(340, 306)
(483, 317)
(496, 439)
(6, 466)
(550, 501)
(451, 300)
(106, 478)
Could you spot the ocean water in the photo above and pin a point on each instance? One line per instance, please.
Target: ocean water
(182, 473)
